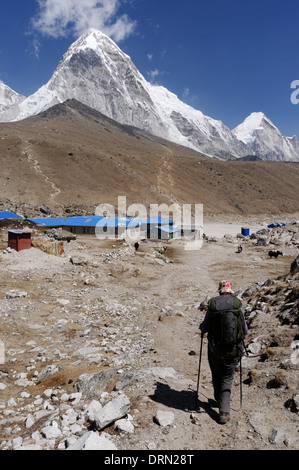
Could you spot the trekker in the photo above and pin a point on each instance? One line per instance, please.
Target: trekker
(226, 327)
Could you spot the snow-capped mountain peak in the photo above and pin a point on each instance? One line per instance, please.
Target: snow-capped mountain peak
(93, 39)
(96, 72)
(265, 140)
(254, 122)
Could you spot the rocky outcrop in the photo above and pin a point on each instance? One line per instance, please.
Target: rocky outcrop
(50, 246)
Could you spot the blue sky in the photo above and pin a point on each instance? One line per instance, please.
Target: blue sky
(227, 58)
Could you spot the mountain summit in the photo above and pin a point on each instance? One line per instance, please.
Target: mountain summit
(97, 73)
(264, 139)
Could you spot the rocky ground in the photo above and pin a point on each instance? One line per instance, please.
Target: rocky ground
(100, 346)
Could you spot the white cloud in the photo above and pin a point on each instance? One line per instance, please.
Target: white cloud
(59, 18)
(36, 47)
(154, 74)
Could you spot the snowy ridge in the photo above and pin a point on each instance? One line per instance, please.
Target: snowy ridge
(9, 101)
(265, 140)
(96, 72)
(190, 127)
(245, 130)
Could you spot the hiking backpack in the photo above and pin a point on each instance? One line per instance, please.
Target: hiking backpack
(226, 328)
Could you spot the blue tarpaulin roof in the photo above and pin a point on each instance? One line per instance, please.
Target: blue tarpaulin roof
(82, 221)
(168, 228)
(87, 221)
(9, 215)
(157, 220)
(79, 221)
(48, 222)
(118, 222)
(19, 232)
(273, 225)
(277, 224)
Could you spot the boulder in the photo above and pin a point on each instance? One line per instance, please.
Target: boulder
(49, 370)
(296, 400)
(51, 432)
(114, 410)
(295, 266)
(124, 425)
(93, 441)
(164, 418)
(92, 385)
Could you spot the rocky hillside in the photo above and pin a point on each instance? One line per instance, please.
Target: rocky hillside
(101, 346)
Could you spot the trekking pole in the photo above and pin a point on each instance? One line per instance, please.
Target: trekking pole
(201, 342)
(241, 395)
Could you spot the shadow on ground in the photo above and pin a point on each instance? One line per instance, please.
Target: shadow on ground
(185, 400)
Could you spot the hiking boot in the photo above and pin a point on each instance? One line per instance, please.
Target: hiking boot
(223, 417)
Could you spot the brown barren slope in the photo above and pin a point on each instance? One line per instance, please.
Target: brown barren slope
(71, 155)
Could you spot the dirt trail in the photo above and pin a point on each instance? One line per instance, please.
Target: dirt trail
(28, 152)
(187, 282)
(157, 298)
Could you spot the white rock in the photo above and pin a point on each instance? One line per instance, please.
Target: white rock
(63, 301)
(41, 414)
(295, 357)
(11, 402)
(93, 441)
(75, 397)
(254, 347)
(17, 442)
(75, 428)
(93, 408)
(69, 442)
(36, 436)
(24, 382)
(70, 417)
(296, 399)
(48, 392)
(88, 352)
(164, 418)
(38, 402)
(2, 386)
(51, 432)
(65, 397)
(29, 421)
(49, 370)
(151, 445)
(258, 421)
(275, 436)
(124, 425)
(112, 411)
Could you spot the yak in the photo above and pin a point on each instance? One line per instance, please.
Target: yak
(274, 253)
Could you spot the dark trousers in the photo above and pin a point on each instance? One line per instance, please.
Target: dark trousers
(222, 378)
